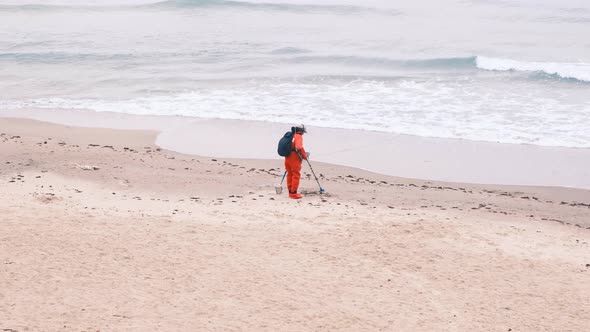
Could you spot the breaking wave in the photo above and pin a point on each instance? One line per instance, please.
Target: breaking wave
(575, 71)
(291, 55)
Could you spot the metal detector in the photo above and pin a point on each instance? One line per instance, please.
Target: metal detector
(312, 172)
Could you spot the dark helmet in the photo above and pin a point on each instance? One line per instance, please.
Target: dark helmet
(299, 129)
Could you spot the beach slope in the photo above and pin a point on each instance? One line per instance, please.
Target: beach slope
(102, 230)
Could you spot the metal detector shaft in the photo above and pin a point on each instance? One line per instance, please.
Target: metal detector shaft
(312, 172)
(316, 178)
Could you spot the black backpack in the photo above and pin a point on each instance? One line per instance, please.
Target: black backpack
(284, 148)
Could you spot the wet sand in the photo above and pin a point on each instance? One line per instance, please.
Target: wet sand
(385, 153)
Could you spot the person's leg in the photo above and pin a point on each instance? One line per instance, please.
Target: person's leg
(296, 171)
(293, 166)
(289, 174)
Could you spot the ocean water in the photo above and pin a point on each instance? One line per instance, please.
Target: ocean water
(511, 71)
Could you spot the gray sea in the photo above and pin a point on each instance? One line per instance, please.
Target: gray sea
(511, 71)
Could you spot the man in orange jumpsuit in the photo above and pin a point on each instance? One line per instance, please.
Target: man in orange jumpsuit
(293, 161)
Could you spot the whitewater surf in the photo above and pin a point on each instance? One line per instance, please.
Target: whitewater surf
(293, 61)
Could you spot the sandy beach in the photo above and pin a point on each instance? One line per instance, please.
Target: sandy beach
(392, 154)
(138, 165)
(105, 230)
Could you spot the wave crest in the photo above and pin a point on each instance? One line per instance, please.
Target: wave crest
(433, 63)
(577, 71)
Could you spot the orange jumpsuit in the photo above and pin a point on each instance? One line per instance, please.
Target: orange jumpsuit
(293, 163)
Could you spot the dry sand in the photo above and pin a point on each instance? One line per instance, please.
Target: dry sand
(101, 230)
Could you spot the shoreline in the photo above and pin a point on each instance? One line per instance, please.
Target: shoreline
(432, 159)
(104, 230)
(135, 131)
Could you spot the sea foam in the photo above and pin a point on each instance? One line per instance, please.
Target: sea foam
(459, 109)
(578, 71)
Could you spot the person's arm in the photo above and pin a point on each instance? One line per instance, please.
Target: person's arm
(299, 146)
